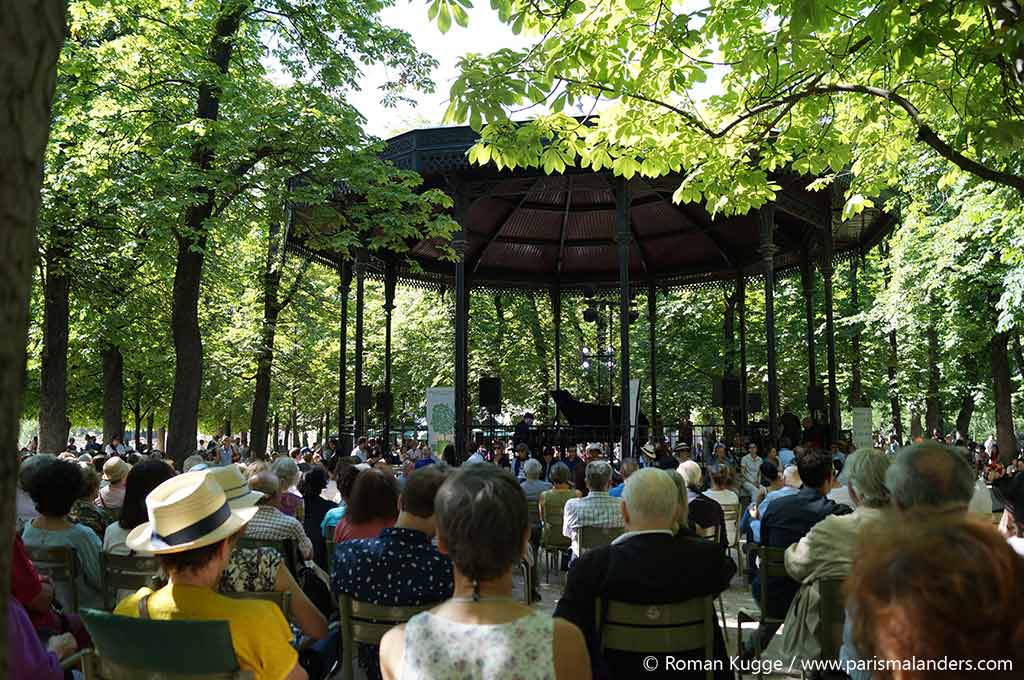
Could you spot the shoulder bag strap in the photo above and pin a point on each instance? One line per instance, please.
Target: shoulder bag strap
(144, 606)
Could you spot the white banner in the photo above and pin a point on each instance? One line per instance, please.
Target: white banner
(634, 410)
(440, 416)
(863, 427)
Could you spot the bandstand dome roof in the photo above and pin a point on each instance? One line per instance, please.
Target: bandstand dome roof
(525, 229)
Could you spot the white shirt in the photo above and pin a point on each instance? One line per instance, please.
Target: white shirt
(1017, 544)
(981, 501)
(723, 497)
(841, 494)
(358, 453)
(751, 465)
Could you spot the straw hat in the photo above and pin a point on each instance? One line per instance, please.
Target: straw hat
(115, 469)
(187, 512)
(681, 447)
(649, 450)
(235, 486)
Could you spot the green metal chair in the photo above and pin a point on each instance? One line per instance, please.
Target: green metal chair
(127, 648)
(127, 572)
(283, 600)
(771, 565)
(287, 547)
(675, 627)
(552, 541)
(831, 616)
(712, 534)
(366, 623)
(60, 564)
(595, 537)
(732, 514)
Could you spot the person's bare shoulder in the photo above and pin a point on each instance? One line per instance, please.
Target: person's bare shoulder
(392, 647)
(570, 649)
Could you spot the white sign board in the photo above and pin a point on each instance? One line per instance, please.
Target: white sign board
(440, 416)
(863, 427)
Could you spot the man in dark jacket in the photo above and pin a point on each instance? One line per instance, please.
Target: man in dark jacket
(786, 521)
(646, 565)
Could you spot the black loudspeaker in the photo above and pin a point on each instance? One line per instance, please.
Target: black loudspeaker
(726, 393)
(816, 398)
(490, 394)
(754, 404)
(384, 402)
(364, 397)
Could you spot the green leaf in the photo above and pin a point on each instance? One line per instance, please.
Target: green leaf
(444, 18)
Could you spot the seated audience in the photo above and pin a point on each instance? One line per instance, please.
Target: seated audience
(111, 497)
(142, 479)
(345, 476)
(777, 487)
(290, 501)
(721, 479)
(597, 509)
(54, 487)
(750, 472)
(27, 658)
(633, 569)
(926, 481)
(946, 588)
(829, 550)
(786, 521)
(36, 594)
(628, 467)
(555, 498)
(269, 523)
(482, 526)
(372, 507)
(84, 510)
(26, 507)
(533, 487)
(316, 508)
(402, 567)
(594, 452)
(1010, 492)
(702, 511)
(192, 530)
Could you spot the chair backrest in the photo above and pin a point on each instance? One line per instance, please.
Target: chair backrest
(60, 564)
(732, 513)
(127, 572)
(831, 616)
(595, 537)
(657, 628)
(553, 517)
(329, 543)
(532, 512)
(367, 623)
(771, 565)
(710, 533)
(286, 546)
(160, 649)
(283, 600)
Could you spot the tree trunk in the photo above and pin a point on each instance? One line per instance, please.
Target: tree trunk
(227, 426)
(1018, 355)
(137, 409)
(894, 357)
(277, 433)
(1003, 396)
(53, 372)
(188, 343)
(113, 393)
(932, 417)
(149, 431)
(31, 35)
(265, 356)
(963, 417)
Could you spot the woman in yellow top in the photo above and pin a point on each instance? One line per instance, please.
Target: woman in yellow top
(192, 531)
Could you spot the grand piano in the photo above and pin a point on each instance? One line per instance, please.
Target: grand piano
(586, 422)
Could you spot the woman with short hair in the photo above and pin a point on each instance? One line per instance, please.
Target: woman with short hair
(54, 487)
(372, 508)
(287, 471)
(482, 526)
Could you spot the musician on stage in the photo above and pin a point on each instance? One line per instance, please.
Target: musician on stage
(521, 435)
